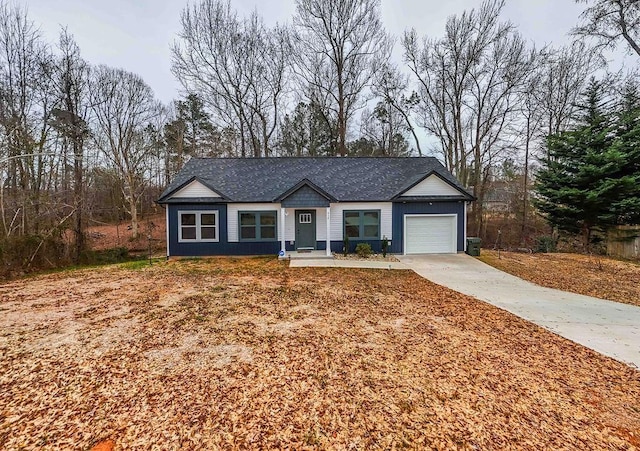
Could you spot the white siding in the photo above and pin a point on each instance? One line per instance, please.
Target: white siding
(321, 224)
(386, 213)
(195, 189)
(432, 186)
(290, 223)
(232, 217)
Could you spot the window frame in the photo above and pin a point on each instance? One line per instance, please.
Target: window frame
(198, 226)
(258, 227)
(361, 224)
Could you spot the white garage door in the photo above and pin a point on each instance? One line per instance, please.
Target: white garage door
(430, 234)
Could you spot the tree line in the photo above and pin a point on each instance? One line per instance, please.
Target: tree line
(81, 143)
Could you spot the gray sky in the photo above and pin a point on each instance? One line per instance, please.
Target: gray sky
(136, 34)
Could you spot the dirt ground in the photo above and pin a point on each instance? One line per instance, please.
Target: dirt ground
(251, 354)
(107, 236)
(597, 276)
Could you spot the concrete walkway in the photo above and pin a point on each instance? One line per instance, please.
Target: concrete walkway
(331, 263)
(610, 328)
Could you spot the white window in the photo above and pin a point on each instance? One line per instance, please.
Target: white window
(305, 218)
(194, 226)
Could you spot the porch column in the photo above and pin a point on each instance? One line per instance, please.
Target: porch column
(329, 231)
(282, 240)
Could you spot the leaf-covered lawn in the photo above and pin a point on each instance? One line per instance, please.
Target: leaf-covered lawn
(251, 354)
(601, 277)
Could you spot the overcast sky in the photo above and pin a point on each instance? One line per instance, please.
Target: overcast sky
(136, 34)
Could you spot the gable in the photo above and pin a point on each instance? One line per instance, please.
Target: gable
(195, 189)
(305, 196)
(432, 186)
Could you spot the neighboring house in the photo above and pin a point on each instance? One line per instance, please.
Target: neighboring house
(244, 206)
(500, 197)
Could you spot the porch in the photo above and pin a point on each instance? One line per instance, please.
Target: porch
(306, 255)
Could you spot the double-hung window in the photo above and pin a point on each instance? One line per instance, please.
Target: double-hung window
(198, 226)
(362, 224)
(258, 225)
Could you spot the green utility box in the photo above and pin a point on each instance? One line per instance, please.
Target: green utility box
(473, 246)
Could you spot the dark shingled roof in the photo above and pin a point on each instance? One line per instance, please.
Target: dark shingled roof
(347, 179)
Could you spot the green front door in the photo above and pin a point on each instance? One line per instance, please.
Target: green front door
(305, 229)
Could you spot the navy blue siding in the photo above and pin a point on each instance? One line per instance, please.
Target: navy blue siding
(305, 197)
(223, 247)
(434, 208)
(376, 245)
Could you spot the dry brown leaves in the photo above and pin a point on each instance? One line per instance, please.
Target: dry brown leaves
(597, 276)
(108, 236)
(251, 354)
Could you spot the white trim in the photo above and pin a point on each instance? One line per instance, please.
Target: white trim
(283, 244)
(166, 211)
(328, 240)
(464, 242)
(454, 231)
(198, 226)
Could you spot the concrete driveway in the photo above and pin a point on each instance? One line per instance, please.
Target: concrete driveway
(610, 328)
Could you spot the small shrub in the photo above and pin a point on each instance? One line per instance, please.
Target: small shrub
(384, 246)
(345, 247)
(545, 244)
(363, 250)
(106, 256)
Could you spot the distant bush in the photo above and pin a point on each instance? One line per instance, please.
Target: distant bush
(106, 256)
(363, 250)
(26, 253)
(345, 247)
(545, 244)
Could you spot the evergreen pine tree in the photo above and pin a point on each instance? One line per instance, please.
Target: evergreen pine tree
(573, 188)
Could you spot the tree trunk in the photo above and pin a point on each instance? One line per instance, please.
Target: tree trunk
(525, 191)
(78, 198)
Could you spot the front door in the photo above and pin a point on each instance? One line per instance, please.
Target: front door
(305, 229)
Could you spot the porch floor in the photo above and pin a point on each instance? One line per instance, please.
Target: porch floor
(313, 255)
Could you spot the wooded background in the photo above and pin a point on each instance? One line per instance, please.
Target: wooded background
(82, 145)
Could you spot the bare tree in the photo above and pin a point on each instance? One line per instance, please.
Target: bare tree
(469, 85)
(392, 87)
(71, 82)
(561, 76)
(123, 106)
(25, 106)
(608, 21)
(385, 127)
(341, 46)
(238, 66)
